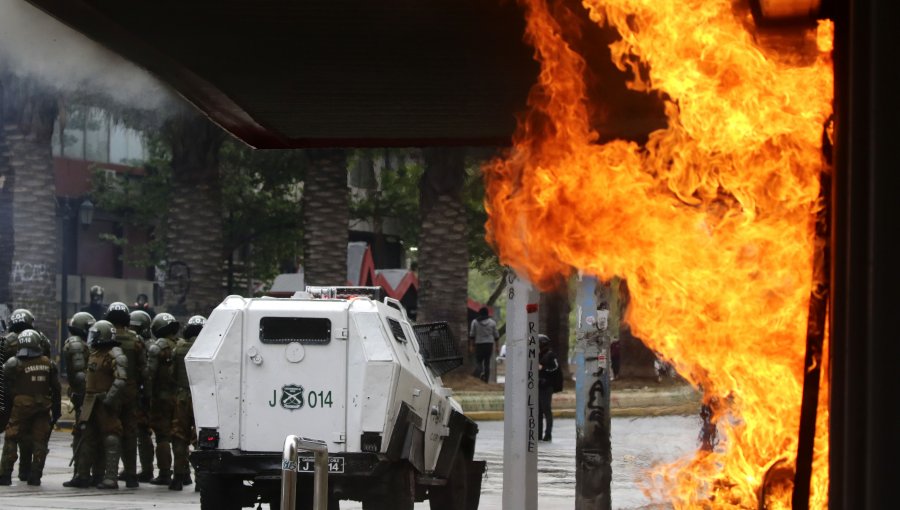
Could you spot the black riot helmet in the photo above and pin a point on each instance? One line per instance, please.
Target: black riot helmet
(194, 325)
(96, 294)
(118, 314)
(102, 334)
(164, 325)
(140, 322)
(20, 320)
(81, 323)
(29, 344)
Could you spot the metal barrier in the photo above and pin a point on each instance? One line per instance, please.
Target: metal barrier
(290, 462)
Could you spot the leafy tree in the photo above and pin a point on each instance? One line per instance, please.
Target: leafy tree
(136, 201)
(261, 191)
(397, 194)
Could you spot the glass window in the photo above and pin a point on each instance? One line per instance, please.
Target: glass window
(303, 330)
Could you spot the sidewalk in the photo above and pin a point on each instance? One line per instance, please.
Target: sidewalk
(649, 400)
(645, 401)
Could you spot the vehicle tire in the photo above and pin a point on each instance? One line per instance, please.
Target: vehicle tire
(401, 494)
(220, 492)
(452, 496)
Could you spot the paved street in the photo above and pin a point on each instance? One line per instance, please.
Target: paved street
(638, 443)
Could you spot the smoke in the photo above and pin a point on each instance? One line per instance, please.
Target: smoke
(36, 45)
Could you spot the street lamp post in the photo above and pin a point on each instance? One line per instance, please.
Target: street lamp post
(85, 217)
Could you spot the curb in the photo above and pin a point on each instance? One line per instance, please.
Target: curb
(616, 412)
(645, 401)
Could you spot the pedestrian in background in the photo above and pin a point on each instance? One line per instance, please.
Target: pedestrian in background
(142, 303)
(549, 382)
(483, 333)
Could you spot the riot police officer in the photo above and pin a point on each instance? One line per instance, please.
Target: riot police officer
(107, 374)
(20, 320)
(118, 314)
(162, 391)
(34, 384)
(183, 432)
(140, 324)
(96, 306)
(75, 354)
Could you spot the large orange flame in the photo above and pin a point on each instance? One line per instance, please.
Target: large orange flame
(711, 222)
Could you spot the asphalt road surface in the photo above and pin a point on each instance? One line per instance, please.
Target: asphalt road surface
(638, 444)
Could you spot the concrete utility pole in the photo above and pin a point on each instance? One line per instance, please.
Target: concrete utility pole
(520, 441)
(593, 456)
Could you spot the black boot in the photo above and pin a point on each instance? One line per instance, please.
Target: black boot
(162, 479)
(79, 483)
(175, 484)
(186, 479)
(26, 451)
(131, 482)
(5, 479)
(145, 476)
(34, 479)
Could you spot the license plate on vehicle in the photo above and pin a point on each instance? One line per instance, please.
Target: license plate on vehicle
(308, 465)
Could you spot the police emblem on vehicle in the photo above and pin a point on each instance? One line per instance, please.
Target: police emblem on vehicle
(292, 397)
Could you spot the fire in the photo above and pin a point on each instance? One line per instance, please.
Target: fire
(710, 222)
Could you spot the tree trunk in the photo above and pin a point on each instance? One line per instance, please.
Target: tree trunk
(194, 232)
(443, 246)
(554, 322)
(326, 218)
(29, 245)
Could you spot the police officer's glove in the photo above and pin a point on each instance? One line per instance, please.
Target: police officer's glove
(77, 400)
(109, 401)
(55, 413)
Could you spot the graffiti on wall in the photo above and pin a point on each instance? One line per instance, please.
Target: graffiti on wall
(28, 272)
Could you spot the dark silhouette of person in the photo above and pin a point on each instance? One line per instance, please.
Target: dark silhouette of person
(96, 306)
(549, 382)
(143, 303)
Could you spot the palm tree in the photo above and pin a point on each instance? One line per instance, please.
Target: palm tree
(194, 235)
(443, 242)
(326, 216)
(28, 229)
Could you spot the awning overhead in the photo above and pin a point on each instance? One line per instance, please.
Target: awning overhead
(288, 73)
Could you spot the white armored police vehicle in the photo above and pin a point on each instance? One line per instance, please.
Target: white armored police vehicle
(339, 365)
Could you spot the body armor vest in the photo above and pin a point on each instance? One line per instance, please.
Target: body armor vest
(101, 370)
(133, 348)
(181, 377)
(164, 379)
(32, 377)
